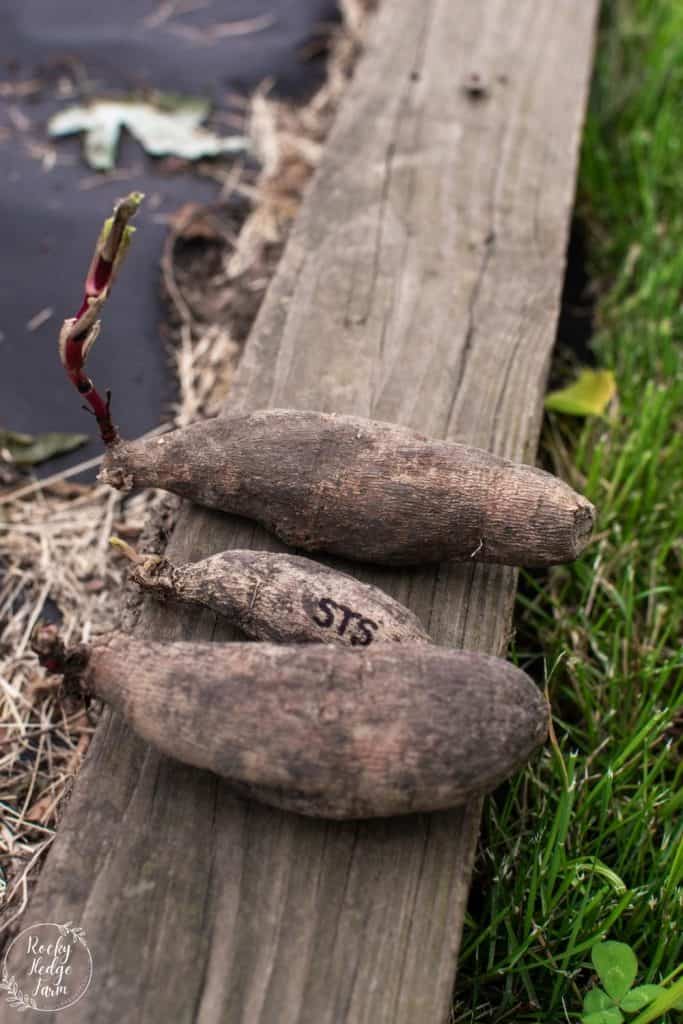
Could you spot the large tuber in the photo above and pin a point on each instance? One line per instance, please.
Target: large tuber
(364, 490)
(282, 598)
(317, 729)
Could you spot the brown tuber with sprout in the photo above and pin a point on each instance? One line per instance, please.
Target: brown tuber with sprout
(281, 598)
(353, 487)
(321, 730)
(361, 489)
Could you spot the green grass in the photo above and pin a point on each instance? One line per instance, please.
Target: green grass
(588, 842)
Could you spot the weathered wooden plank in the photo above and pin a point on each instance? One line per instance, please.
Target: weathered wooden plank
(420, 285)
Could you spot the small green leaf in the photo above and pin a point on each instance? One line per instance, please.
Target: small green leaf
(668, 999)
(617, 967)
(639, 997)
(596, 999)
(613, 1015)
(589, 395)
(25, 450)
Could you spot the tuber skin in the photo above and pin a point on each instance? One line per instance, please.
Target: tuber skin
(364, 490)
(322, 730)
(282, 598)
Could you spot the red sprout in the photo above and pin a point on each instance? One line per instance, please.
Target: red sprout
(79, 333)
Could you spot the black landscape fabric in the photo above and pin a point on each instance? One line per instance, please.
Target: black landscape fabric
(57, 54)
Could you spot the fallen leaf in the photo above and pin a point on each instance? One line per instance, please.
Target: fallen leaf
(172, 128)
(27, 450)
(589, 395)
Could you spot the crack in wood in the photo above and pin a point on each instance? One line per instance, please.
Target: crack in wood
(470, 327)
(509, 366)
(412, 916)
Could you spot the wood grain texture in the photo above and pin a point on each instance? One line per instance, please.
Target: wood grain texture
(420, 285)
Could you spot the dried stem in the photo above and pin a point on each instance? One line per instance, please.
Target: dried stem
(79, 333)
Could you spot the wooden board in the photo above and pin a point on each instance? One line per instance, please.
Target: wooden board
(421, 285)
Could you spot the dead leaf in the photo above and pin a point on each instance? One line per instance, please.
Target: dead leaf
(171, 128)
(29, 450)
(589, 395)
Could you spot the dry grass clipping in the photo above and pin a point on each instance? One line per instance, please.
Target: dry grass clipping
(54, 555)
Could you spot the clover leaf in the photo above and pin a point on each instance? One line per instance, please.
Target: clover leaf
(617, 967)
(639, 997)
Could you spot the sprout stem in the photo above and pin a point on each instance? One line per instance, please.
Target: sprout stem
(79, 333)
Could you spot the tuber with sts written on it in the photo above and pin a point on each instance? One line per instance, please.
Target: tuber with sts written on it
(282, 598)
(319, 729)
(361, 489)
